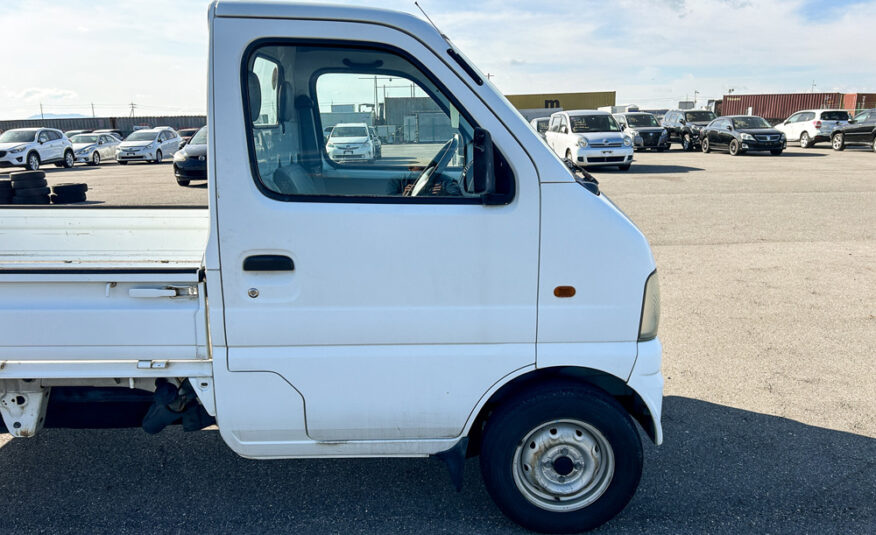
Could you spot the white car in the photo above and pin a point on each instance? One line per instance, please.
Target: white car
(350, 141)
(589, 138)
(32, 147)
(811, 126)
(149, 145)
(94, 148)
(540, 124)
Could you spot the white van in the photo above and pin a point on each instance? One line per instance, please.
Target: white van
(467, 297)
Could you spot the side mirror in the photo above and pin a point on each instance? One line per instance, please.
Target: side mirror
(483, 168)
(182, 144)
(681, 121)
(852, 121)
(730, 127)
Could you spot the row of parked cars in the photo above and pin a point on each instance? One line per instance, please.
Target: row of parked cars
(591, 138)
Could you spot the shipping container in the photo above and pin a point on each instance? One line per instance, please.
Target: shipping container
(859, 101)
(567, 101)
(778, 107)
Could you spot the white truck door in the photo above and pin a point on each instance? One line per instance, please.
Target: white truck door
(385, 293)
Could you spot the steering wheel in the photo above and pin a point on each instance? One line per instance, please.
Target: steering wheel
(436, 166)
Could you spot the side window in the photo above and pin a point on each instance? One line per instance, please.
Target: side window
(43, 137)
(426, 154)
(554, 124)
(794, 118)
(809, 116)
(53, 136)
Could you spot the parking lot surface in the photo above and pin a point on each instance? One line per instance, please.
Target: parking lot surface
(769, 325)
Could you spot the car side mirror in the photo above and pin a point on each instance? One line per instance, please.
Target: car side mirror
(681, 121)
(483, 168)
(730, 127)
(852, 121)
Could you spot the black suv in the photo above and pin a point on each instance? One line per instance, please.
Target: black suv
(860, 131)
(684, 126)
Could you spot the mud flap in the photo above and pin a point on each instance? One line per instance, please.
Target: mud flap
(454, 458)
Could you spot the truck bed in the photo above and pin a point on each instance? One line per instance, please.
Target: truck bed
(101, 292)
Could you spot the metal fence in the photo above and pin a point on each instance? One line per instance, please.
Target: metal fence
(125, 124)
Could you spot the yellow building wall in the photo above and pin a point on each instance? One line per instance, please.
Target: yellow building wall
(567, 101)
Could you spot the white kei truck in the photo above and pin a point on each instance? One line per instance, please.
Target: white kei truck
(468, 297)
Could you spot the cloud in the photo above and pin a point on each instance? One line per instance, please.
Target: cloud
(39, 94)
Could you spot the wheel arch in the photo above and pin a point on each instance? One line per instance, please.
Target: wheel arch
(614, 386)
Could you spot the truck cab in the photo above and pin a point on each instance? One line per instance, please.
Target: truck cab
(470, 296)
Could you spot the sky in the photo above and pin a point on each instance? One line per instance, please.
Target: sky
(72, 54)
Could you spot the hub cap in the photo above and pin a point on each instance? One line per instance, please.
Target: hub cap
(564, 465)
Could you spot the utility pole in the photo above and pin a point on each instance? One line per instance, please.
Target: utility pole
(695, 98)
(43, 117)
(489, 76)
(132, 108)
(812, 90)
(93, 116)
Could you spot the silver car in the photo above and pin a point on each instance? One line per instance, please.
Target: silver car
(94, 148)
(152, 145)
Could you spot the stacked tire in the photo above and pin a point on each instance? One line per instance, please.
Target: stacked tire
(29, 187)
(5, 189)
(68, 193)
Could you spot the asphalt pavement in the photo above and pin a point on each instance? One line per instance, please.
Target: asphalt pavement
(769, 327)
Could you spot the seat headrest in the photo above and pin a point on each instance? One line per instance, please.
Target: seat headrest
(286, 104)
(254, 88)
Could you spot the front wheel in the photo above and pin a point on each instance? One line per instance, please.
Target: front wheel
(686, 142)
(838, 142)
(95, 159)
(805, 141)
(873, 143)
(563, 458)
(33, 162)
(705, 145)
(734, 148)
(69, 160)
(158, 156)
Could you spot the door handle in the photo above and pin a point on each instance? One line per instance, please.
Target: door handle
(268, 262)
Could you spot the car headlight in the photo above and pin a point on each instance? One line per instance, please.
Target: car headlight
(747, 137)
(84, 150)
(582, 142)
(782, 137)
(650, 319)
(179, 156)
(627, 141)
(17, 149)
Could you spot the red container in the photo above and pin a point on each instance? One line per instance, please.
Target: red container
(859, 101)
(778, 107)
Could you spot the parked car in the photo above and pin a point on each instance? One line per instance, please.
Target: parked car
(375, 140)
(190, 162)
(326, 132)
(71, 133)
(350, 141)
(148, 145)
(860, 131)
(32, 147)
(112, 131)
(94, 148)
(589, 138)
(540, 124)
(644, 129)
(739, 134)
(684, 126)
(186, 134)
(808, 127)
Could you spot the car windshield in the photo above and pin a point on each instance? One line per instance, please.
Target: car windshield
(200, 138)
(84, 138)
(541, 125)
(17, 136)
(750, 122)
(698, 116)
(349, 131)
(142, 135)
(593, 123)
(834, 116)
(642, 120)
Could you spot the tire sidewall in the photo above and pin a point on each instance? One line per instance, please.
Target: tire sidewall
(804, 140)
(158, 156)
(731, 150)
(36, 159)
(838, 142)
(513, 421)
(95, 158)
(705, 145)
(69, 159)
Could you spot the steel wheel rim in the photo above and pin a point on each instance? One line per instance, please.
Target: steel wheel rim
(563, 465)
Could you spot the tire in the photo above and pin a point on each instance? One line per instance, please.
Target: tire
(123, 162)
(776, 152)
(624, 167)
(805, 141)
(569, 155)
(183, 182)
(158, 156)
(584, 434)
(44, 199)
(32, 192)
(29, 183)
(69, 159)
(32, 162)
(733, 149)
(873, 143)
(67, 198)
(95, 159)
(26, 175)
(661, 149)
(705, 145)
(686, 142)
(58, 164)
(838, 142)
(70, 189)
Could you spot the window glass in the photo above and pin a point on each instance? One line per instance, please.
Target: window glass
(794, 118)
(835, 116)
(54, 136)
(593, 123)
(294, 92)
(44, 136)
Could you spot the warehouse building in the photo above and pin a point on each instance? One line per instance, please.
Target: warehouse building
(543, 104)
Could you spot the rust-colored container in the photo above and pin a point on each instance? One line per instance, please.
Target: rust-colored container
(779, 106)
(859, 101)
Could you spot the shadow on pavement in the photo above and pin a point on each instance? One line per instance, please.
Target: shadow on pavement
(721, 470)
(654, 169)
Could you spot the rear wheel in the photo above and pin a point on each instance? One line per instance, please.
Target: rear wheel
(838, 142)
(805, 141)
(734, 147)
(705, 145)
(33, 161)
(562, 458)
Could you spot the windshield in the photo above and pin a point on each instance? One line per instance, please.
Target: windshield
(17, 136)
(349, 131)
(750, 122)
(593, 123)
(142, 135)
(835, 116)
(200, 138)
(84, 138)
(699, 116)
(541, 125)
(640, 120)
